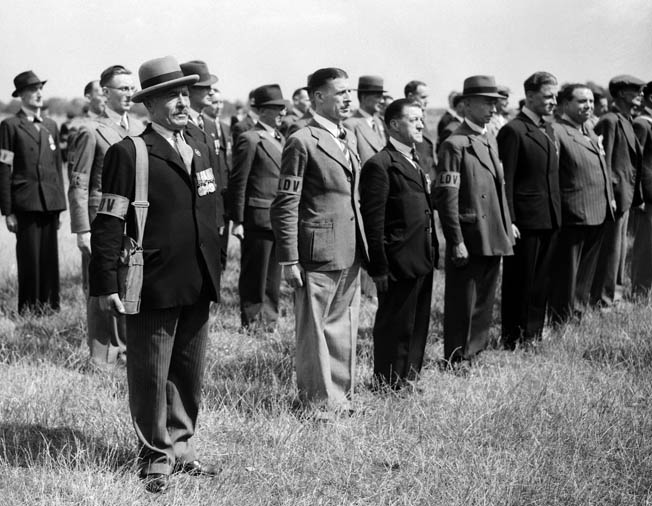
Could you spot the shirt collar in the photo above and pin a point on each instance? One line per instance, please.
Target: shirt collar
(29, 114)
(267, 128)
(367, 116)
(193, 115)
(404, 149)
(164, 132)
(332, 128)
(113, 116)
(536, 119)
(475, 128)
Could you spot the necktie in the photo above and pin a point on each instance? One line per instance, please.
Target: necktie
(37, 122)
(277, 135)
(200, 122)
(344, 146)
(123, 122)
(415, 155)
(184, 150)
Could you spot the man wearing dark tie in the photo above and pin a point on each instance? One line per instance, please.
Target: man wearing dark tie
(642, 247)
(586, 203)
(398, 218)
(32, 194)
(321, 243)
(417, 93)
(529, 156)
(365, 122)
(470, 198)
(623, 155)
(252, 188)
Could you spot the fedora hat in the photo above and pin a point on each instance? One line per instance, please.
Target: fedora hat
(481, 86)
(371, 84)
(269, 94)
(200, 68)
(25, 79)
(160, 74)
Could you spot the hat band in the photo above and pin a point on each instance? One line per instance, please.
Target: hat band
(476, 90)
(162, 78)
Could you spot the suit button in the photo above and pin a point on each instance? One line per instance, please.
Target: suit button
(348, 178)
(484, 196)
(484, 216)
(352, 218)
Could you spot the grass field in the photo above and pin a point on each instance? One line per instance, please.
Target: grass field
(567, 423)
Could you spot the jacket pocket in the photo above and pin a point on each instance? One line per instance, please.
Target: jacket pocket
(317, 241)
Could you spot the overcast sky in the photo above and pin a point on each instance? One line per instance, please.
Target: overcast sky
(248, 43)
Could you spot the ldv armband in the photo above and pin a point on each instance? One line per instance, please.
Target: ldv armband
(448, 180)
(290, 184)
(113, 205)
(6, 156)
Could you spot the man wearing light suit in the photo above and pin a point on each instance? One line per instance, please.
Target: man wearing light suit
(321, 243)
(252, 188)
(623, 155)
(365, 122)
(470, 198)
(529, 156)
(586, 203)
(167, 339)
(106, 333)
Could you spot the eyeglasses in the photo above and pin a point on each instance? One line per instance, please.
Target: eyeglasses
(123, 89)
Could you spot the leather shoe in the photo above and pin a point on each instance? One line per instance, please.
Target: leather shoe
(156, 482)
(198, 468)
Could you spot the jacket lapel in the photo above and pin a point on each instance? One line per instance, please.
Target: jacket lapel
(372, 138)
(109, 131)
(404, 166)
(160, 148)
(271, 147)
(628, 131)
(28, 126)
(327, 143)
(579, 137)
(481, 151)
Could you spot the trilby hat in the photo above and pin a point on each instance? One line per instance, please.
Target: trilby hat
(23, 80)
(160, 74)
(371, 84)
(268, 94)
(481, 86)
(199, 67)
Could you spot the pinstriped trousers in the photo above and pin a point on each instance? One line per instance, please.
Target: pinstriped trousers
(327, 307)
(165, 368)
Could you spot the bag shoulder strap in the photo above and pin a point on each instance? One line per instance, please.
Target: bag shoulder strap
(140, 202)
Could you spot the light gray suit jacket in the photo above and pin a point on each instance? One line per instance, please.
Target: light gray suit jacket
(369, 142)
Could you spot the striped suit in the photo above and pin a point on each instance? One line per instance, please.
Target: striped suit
(586, 197)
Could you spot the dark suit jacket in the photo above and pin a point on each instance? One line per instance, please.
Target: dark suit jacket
(254, 180)
(584, 180)
(643, 131)
(181, 246)
(427, 154)
(316, 213)
(34, 181)
(369, 142)
(470, 194)
(531, 166)
(623, 156)
(242, 126)
(398, 216)
(444, 121)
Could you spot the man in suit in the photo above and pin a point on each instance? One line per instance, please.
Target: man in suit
(222, 139)
(501, 117)
(167, 339)
(247, 123)
(470, 198)
(456, 116)
(106, 339)
(417, 93)
(529, 156)
(300, 107)
(450, 114)
(623, 157)
(586, 203)
(398, 218)
(321, 243)
(642, 248)
(252, 188)
(365, 122)
(32, 194)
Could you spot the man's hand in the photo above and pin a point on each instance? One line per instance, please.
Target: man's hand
(517, 232)
(293, 275)
(238, 231)
(460, 255)
(12, 223)
(84, 242)
(111, 304)
(381, 282)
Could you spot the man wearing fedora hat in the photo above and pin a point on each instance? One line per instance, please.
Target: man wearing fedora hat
(106, 338)
(200, 127)
(252, 188)
(624, 157)
(365, 122)
(167, 338)
(529, 153)
(320, 243)
(470, 198)
(32, 194)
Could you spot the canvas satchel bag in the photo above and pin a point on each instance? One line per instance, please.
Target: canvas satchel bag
(130, 263)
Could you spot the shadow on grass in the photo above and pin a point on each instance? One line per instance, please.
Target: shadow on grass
(29, 445)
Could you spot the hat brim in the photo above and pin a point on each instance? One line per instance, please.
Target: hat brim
(367, 90)
(207, 82)
(139, 96)
(17, 91)
(273, 102)
(488, 95)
